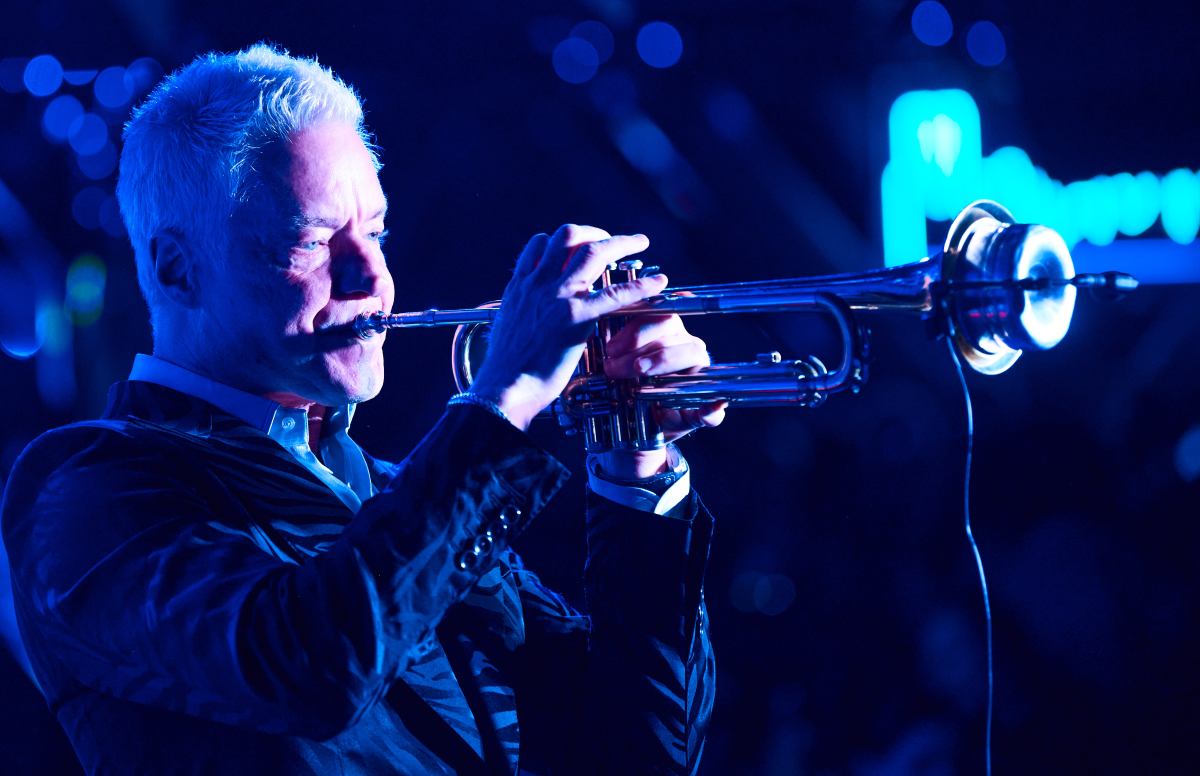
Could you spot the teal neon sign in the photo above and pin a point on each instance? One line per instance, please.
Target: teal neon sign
(936, 167)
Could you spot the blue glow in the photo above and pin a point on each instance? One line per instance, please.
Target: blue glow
(598, 35)
(85, 289)
(575, 60)
(60, 114)
(145, 72)
(645, 146)
(78, 77)
(931, 23)
(985, 44)
(99, 165)
(85, 207)
(1181, 205)
(113, 87)
(659, 44)
(88, 134)
(614, 92)
(936, 167)
(730, 114)
(1187, 455)
(43, 75)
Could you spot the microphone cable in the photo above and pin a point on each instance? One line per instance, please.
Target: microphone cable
(987, 607)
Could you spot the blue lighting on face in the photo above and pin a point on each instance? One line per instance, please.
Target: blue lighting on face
(598, 35)
(88, 134)
(985, 44)
(931, 23)
(113, 87)
(60, 114)
(43, 76)
(659, 44)
(937, 167)
(575, 60)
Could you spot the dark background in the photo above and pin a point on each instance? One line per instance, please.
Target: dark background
(846, 610)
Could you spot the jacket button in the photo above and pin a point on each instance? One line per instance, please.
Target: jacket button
(483, 545)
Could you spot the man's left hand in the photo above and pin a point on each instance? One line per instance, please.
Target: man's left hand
(656, 345)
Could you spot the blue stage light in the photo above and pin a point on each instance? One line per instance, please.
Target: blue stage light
(88, 134)
(113, 87)
(575, 60)
(146, 72)
(99, 165)
(659, 44)
(60, 114)
(85, 289)
(985, 44)
(43, 75)
(1181, 205)
(937, 167)
(598, 35)
(645, 146)
(931, 23)
(78, 77)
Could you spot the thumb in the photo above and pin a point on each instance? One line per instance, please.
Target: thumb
(611, 299)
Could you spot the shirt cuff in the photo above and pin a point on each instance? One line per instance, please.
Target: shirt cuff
(641, 498)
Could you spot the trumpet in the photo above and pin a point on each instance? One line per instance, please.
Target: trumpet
(996, 289)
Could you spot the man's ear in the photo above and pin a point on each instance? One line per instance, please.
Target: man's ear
(174, 268)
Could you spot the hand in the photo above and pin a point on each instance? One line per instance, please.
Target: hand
(548, 311)
(655, 345)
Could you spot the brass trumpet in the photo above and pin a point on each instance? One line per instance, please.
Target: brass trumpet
(997, 288)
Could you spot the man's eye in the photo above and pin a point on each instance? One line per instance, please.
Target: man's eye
(379, 236)
(309, 245)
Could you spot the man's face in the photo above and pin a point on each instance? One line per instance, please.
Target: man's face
(305, 259)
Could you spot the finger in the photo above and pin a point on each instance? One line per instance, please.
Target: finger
(624, 365)
(590, 261)
(529, 256)
(679, 423)
(612, 298)
(642, 330)
(670, 358)
(563, 244)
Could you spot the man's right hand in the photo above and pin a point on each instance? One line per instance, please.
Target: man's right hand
(547, 313)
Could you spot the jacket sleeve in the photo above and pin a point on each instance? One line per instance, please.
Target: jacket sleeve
(128, 581)
(630, 690)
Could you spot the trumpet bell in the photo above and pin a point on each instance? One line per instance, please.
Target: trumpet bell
(1009, 287)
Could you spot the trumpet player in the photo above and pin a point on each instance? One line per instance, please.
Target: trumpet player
(213, 577)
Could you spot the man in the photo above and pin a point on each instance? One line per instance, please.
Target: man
(214, 578)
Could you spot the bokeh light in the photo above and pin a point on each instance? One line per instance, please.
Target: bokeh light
(60, 114)
(78, 77)
(931, 23)
(85, 289)
(545, 32)
(575, 60)
(729, 113)
(1181, 205)
(659, 44)
(645, 146)
(143, 73)
(598, 35)
(99, 165)
(43, 75)
(113, 88)
(1187, 455)
(985, 44)
(85, 206)
(88, 134)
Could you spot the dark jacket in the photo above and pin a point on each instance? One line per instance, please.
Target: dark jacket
(194, 600)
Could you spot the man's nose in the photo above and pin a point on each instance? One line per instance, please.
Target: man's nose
(360, 270)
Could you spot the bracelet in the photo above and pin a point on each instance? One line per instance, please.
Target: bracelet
(466, 397)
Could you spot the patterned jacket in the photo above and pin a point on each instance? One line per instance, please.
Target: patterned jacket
(193, 600)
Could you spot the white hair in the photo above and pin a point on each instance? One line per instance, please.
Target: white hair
(191, 149)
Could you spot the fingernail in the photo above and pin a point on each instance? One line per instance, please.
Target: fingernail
(644, 365)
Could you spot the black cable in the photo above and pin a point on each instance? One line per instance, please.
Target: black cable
(987, 607)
